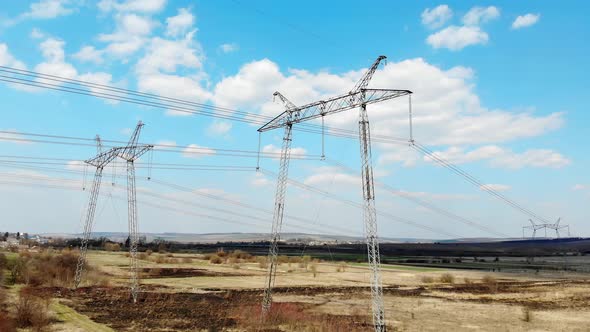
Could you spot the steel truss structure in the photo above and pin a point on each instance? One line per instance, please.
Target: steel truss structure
(358, 97)
(535, 227)
(130, 153)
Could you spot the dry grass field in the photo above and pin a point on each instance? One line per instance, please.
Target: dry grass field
(188, 292)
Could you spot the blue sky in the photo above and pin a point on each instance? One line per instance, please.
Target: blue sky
(499, 89)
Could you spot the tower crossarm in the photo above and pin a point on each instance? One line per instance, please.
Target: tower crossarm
(103, 158)
(134, 152)
(332, 105)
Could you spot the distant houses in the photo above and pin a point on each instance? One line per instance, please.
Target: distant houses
(20, 240)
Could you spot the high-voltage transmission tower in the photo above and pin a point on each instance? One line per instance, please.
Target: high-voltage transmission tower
(556, 227)
(101, 160)
(130, 153)
(359, 97)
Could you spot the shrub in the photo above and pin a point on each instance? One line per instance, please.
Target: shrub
(491, 283)
(314, 269)
(221, 253)
(282, 259)
(160, 259)
(304, 262)
(45, 269)
(142, 256)
(239, 254)
(447, 278)
(3, 261)
(112, 246)
(427, 279)
(149, 252)
(295, 259)
(19, 272)
(262, 262)
(215, 260)
(31, 311)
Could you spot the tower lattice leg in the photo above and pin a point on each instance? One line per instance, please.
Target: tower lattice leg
(88, 222)
(133, 235)
(277, 219)
(370, 220)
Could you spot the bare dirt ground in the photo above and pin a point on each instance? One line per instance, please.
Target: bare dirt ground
(191, 294)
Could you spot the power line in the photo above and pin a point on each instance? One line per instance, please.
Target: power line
(427, 205)
(187, 150)
(158, 101)
(235, 202)
(61, 181)
(171, 167)
(471, 179)
(360, 206)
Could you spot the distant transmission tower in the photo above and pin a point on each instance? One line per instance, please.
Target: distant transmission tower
(535, 227)
(359, 97)
(130, 153)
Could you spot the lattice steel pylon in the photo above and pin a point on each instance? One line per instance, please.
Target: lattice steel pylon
(130, 153)
(535, 227)
(278, 208)
(359, 96)
(99, 161)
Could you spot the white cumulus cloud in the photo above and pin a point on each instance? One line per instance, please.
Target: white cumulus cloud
(479, 15)
(526, 20)
(145, 6)
(447, 111)
(37, 33)
(179, 24)
(89, 54)
(504, 158)
(219, 128)
(457, 37)
(436, 17)
(47, 9)
(197, 151)
(7, 59)
(228, 47)
(129, 36)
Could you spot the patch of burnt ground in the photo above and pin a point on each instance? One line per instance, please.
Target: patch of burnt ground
(170, 272)
(166, 311)
(521, 289)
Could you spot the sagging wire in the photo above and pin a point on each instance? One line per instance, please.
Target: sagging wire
(84, 177)
(258, 156)
(150, 163)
